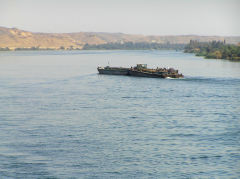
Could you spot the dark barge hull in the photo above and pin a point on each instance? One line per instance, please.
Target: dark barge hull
(115, 71)
(146, 74)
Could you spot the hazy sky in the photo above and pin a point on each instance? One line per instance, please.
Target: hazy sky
(149, 17)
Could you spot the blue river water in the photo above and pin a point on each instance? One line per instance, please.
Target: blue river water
(60, 119)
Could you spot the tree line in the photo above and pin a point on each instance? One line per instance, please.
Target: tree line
(214, 49)
(134, 46)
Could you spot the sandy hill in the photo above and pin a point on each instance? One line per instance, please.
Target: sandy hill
(15, 38)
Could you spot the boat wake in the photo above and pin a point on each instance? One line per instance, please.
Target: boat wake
(214, 80)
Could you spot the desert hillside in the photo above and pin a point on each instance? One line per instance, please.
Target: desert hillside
(14, 38)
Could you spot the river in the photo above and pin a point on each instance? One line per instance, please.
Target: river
(60, 119)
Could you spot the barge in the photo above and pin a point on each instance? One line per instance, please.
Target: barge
(113, 70)
(141, 70)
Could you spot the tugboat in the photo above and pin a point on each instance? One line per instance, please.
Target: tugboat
(141, 70)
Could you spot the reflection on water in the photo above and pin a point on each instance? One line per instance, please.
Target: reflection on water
(60, 119)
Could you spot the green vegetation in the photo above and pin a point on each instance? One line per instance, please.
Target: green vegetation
(32, 48)
(4, 49)
(113, 46)
(25, 49)
(134, 46)
(214, 49)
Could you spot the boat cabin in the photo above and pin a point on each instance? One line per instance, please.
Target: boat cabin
(141, 66)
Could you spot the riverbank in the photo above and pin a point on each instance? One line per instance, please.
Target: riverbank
(110, 46)
(214, 50)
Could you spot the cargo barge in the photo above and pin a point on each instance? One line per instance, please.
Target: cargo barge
(141, 70)
(113, 70)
